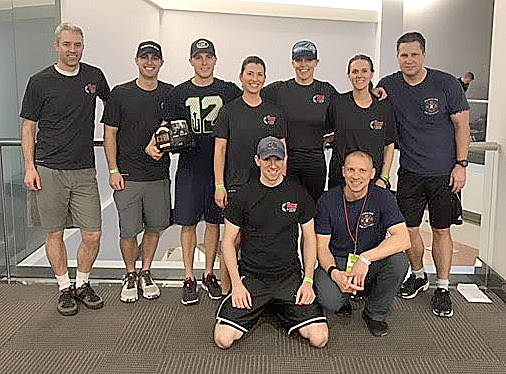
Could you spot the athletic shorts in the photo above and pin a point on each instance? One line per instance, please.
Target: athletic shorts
(415, 192)
(310, 172)
(277, 295)
(143, 206)
(195, 199)
(68, 198)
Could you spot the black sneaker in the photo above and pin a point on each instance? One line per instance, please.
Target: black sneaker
(86, 295)
(345, 310)
(210, 284)
(377, 328)
(67, 305)
(441, 303)
(413, 285)
(189, 292)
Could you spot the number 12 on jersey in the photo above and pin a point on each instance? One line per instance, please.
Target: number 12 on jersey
(197, 105)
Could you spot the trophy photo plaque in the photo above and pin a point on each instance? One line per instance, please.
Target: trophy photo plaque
(174, 137)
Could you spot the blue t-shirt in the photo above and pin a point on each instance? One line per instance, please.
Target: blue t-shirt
(425, 132)
(380, 212)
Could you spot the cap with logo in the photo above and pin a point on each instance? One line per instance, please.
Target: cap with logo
(202, 46)
(270, 146)
(304, 48)
(149, 47)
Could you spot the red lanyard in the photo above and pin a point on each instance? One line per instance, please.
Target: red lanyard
(354, 238)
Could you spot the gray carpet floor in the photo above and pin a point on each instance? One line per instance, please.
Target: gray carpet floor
(163, 336)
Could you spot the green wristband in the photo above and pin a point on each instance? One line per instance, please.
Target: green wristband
(220, 186)
(308, 280)
(385, 176)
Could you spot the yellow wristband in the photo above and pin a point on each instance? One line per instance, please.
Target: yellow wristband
(220, 186)
(114, 171)
(385, 176)
(308, 280)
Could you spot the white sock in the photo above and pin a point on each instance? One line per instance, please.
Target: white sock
(63, 281)
(442, 283)
(81, 278)
(419, 273)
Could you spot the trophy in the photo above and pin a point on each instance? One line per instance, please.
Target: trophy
(174, 136)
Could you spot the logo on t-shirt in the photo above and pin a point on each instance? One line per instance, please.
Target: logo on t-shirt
(376, 124)
(431, 106)
(289, 207)
(90, 88)
(367, 219)
(319, 98)
(270, 119)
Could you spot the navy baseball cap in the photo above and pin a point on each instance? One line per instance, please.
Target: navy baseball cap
(270, 146)
(304, 48)
(149, 47)
(202, 46)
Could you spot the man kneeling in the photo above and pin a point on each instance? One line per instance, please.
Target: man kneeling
(268, 212)
(355, 253)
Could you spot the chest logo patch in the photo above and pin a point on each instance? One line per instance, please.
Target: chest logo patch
(376, 124)
(289, 207)
(319, 98)
(90, 88)
(270, 119)
(367, 219)
(431, 106)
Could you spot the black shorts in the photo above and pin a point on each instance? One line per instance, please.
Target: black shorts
(310, 172)
(195, 198)
(279, 296)
(415, 192)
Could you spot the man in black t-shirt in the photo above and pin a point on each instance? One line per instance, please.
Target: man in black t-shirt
(60, 168)
(141, 185)
(198, 101)
(354, 252)
(269, 210)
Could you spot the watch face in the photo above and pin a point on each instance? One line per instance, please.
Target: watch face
(463, 163)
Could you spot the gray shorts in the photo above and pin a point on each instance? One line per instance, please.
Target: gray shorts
(68, 198)
(143, 206)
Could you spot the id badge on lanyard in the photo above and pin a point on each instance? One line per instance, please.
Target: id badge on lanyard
(353, 257)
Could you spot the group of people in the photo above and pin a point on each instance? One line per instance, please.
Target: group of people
(258, 166)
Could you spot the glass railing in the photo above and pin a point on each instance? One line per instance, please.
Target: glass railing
(23, 253)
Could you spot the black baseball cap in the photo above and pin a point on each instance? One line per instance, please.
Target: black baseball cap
(304, 48)
(202, 46)
(270, 146)
(149, 47)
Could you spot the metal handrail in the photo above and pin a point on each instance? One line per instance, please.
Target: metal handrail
(484, 146)
(6, 142)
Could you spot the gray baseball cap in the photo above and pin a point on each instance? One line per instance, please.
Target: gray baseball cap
(270, 146)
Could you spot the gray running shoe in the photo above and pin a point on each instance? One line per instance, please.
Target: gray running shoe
(210, 284)
(189, 292)
(148, 286)
(67, 304)
(86, 295)
(129, 291)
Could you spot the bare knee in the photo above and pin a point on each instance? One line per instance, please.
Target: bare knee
(316, 333)
(225, 336)
(441, 233)
(189, 229)
(55, 236)
(91, 238)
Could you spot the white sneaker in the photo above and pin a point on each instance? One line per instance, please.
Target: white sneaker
(129, 291)
(148, 286)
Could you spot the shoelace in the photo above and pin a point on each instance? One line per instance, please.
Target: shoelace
(88, 291)
(66, 298)
(443, 300)
(130, 281)
(212, 279)
(147, 278)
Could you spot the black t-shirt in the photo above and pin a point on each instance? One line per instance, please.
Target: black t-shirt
(137, 113)
(268, 217)
(425, 130)
(243, 126)
(380, 213)
(200, 106)
(368, 129)
(64, 108)
(305, 108)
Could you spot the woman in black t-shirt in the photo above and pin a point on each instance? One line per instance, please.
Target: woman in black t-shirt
(361, 121)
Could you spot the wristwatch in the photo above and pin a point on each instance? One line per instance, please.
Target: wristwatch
(462, 163)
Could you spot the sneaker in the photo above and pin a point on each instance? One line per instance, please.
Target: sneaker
(413, 285)
(148, 286)
(210, 284)
(67, 304)
(377, 328)
(129, 292)
(189, 292)
(345, 310)
(86, 295)
(441, 303)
